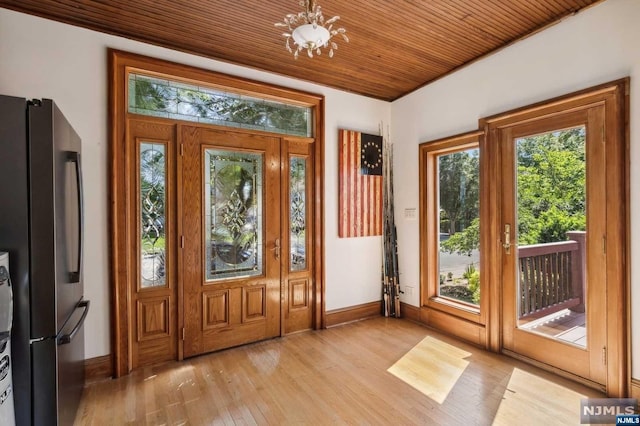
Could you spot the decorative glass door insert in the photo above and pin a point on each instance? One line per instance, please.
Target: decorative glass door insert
(153, 182)
(233, 213)
(298, 213)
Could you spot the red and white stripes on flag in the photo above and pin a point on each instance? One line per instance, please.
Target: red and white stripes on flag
(360, 194)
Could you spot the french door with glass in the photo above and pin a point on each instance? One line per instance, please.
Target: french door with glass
(554, 241)
(524, 235)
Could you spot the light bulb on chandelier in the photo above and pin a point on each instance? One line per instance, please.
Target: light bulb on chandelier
(309, 31)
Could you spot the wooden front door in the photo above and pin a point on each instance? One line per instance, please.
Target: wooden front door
(232, 245)
(554, 276)
(216, 229)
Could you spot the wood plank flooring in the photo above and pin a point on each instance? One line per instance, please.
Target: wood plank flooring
(564, 325)
(339, 376)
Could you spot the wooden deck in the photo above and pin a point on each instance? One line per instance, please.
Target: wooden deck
(564, 325)
(379, 371)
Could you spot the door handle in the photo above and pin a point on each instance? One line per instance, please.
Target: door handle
(74, 157)
(507, 238)
(276, 248)
(67, 338)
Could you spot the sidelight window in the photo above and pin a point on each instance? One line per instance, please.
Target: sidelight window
(152, 188)
(298, 213)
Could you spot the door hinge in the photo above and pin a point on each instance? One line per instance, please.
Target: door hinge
(183, 333)
(604, 355)
(181, 150)
(507, 238)
(181, 241)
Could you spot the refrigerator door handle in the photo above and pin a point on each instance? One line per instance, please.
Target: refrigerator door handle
(67, 338)
(5, 336)
(72, 156)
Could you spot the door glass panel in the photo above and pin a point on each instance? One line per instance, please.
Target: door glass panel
(233, 210)
(153, 181)
(459, 225)
(551, 210)
(298, 213)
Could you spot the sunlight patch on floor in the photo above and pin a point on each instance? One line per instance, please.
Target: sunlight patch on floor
(265, 361)
(432, 367)
(523, 403)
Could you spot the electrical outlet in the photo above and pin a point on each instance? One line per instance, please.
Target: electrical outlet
(408, 290)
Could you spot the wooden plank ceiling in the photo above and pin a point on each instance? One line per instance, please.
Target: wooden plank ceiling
(396, 46)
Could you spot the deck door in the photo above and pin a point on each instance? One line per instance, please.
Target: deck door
(554, 300)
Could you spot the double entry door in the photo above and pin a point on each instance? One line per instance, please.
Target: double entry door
(231, 238)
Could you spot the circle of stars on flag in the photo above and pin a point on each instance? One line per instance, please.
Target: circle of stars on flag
(371, 155)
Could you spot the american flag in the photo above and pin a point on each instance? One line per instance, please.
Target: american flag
(360, 172)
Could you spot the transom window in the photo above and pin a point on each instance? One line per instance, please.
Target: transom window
(173, 99)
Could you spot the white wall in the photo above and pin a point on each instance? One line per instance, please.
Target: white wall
(40, 58)
(597, 45)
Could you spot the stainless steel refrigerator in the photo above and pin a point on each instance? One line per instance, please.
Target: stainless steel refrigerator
(41, 228)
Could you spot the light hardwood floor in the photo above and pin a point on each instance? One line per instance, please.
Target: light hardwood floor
(378, 371)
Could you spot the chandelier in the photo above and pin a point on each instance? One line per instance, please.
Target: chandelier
(310, 31)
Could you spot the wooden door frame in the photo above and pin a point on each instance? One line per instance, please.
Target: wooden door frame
(615, 96)
(452, 316)
(121, 277)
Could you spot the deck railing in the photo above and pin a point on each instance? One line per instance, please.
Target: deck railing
(552, 276)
